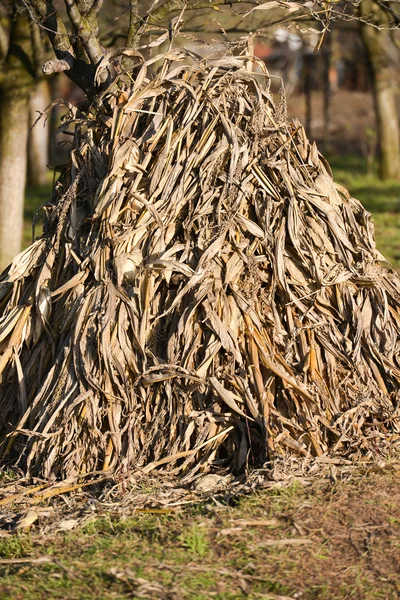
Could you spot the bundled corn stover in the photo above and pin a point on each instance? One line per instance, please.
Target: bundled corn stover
(203, 293)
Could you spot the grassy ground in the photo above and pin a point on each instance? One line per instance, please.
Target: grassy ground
(35, 198)
(381, 199)
(328, 541)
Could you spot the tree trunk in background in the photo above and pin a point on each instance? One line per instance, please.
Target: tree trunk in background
(15, 86)
(54, 117)
(308, 60)
(14, 125)
(378, 45)
(327, 92)
(38, 143)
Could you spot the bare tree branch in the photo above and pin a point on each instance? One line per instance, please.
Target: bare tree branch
(84, 6)
(60, 39)
(159, 12)
(85, 31)
(58, 65)
(172, 5)
(80, 52)
(94, 11)
(50, 21)
(133, 22)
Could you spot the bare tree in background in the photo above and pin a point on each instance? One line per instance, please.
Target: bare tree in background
(377, 34)
(79, 49)
(38, 144)
(17, 76)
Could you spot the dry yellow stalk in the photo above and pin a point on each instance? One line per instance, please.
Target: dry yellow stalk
(203, 295)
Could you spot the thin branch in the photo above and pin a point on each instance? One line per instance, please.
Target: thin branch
(25, 561)
(49, 20)
(94, 11)
(133, 21)
(85, 32)
(110, 38)
(160, 12)
(173, 5)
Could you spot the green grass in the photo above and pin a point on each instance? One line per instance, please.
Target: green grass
(194, 541)
(223, 550)
(380, 198)
(35, 197)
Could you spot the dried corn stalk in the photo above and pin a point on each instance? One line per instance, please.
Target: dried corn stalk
(203, 293)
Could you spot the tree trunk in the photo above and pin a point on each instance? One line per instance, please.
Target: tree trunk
(14, 125)
(327, 92)
(15, 86)
(308, 83)
(377, 45)
(38, 145)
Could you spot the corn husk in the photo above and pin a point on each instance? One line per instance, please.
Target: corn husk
(203, 296)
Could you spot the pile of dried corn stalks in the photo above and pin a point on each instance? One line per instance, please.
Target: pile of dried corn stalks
(203, 293)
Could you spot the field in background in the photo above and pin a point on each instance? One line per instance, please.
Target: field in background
(382, 199)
